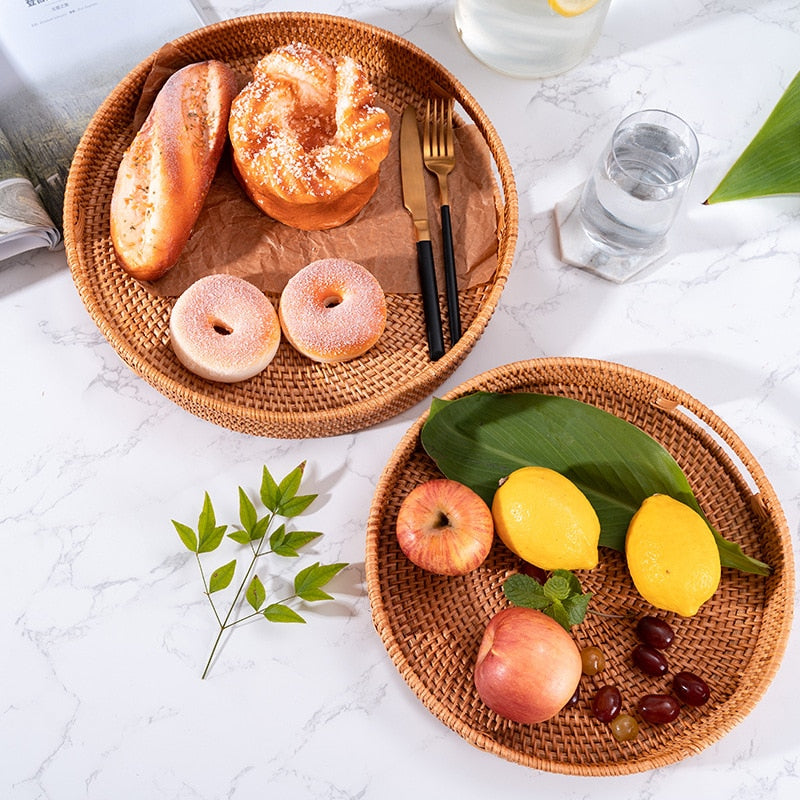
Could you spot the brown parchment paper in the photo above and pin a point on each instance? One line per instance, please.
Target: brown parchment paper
(232, 235)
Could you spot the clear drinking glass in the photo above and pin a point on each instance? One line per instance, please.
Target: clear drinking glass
(637, 186)
(529, 38)
(617, 223)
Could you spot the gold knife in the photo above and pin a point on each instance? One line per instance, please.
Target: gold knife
(415, 200)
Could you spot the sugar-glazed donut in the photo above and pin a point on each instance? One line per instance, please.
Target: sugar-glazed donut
(223, 328)
(332, 310)
(307, 140)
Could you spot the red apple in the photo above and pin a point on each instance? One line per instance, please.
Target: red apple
(528, 666)
(445, 527)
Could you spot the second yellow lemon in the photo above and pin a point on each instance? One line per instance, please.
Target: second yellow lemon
(545, 519)
(672, 555)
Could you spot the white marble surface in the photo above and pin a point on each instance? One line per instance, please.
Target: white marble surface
(103, 629)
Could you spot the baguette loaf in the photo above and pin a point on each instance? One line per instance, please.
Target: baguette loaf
(166, 173)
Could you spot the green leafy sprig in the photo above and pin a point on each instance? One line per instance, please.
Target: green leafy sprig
(281, 500)
(560, 596)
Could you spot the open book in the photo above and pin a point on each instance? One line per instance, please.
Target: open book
(59, 59)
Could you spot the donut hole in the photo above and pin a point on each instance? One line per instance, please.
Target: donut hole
(222, 328)
(332, 301)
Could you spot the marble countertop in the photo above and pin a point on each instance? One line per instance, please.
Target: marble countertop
(103, 625)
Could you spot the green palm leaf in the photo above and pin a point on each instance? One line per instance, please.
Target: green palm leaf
(771, 162)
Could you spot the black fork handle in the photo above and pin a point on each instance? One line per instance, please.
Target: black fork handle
(451, 283)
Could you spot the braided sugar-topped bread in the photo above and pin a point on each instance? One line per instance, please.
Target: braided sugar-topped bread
(307, 140)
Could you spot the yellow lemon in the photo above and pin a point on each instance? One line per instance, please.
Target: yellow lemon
(672, 555)
(545, 519)
(571, 8)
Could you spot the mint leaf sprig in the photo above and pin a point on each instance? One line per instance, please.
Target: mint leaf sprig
(560, 596)
(281, 499)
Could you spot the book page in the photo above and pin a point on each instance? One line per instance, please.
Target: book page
(59, 59)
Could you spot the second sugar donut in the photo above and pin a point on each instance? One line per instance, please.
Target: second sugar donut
(332, 310)
(223, 328)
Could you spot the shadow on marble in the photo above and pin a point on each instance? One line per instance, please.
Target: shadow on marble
(715, 382)
(632, 27)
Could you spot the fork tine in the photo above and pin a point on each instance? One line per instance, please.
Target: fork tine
(448, 127)
(426, 130)
(441, 132)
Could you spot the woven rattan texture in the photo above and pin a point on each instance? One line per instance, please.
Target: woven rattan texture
(432, 626)
(294, 397)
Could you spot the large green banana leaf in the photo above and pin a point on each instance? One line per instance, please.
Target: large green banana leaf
(771, 162)
(482, 437)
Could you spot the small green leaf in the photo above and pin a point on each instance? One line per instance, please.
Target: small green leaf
(770, 164)
(240, 537)
(187, 535)
(576, 607)
(247, 511)
(221, 577)
(256, 594)
(523, 590)
(288, 543)
(297, 505)
(311, 578)
(207, 522)
(277, 537)
(314, 595)
(288, 487)
(561, 597)
(559, 614)
(270, 495)
(278, 612)
(557, 587)
(260, 528)
(299, 539)
(212, 539)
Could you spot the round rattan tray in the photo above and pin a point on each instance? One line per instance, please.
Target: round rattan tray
(294, 397)
(432, 625)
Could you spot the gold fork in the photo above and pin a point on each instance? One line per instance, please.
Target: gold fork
(440, 159)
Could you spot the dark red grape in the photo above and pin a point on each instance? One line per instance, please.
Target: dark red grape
(532, 571)
(576, 695)
(658, 708)
(607, 703)
(690, 688)
(649, 660)
(655, 631)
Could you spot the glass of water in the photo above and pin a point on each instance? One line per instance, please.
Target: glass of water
(530, 38)
(620, 219)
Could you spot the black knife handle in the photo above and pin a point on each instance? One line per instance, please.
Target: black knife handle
(451, 284)
(430, 299)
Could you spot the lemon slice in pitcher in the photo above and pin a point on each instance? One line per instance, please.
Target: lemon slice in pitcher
(571, 8)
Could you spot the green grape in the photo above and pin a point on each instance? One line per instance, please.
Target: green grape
(592, 660)
(624, 727)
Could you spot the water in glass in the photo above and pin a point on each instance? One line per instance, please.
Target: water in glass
(630, 200)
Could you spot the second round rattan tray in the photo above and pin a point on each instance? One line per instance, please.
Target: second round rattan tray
(294, 397)
(431, 625)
